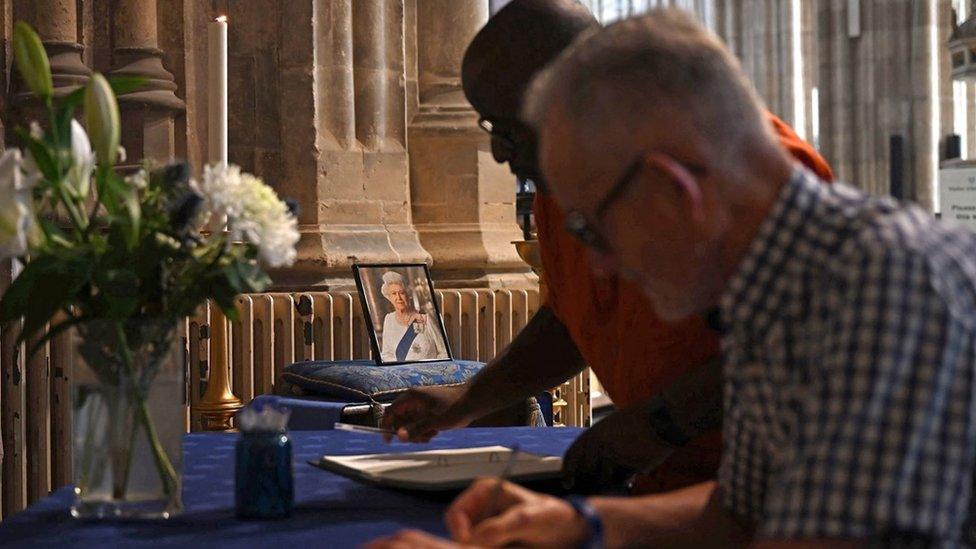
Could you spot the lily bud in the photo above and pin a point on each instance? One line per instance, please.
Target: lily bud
(32, 61)
(102, 119)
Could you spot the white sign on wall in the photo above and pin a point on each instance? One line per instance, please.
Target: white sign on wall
(957, 195)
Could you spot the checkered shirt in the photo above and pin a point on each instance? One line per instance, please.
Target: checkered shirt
(849, 364)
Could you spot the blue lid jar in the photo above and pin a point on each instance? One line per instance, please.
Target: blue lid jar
(264, 485)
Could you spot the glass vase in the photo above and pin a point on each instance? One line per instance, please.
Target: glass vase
(129, 400)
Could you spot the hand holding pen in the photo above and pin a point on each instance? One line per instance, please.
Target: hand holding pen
(495, 512)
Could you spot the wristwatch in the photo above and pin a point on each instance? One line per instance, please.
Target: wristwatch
(594, 524)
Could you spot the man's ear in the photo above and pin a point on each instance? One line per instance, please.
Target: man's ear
(684, 182)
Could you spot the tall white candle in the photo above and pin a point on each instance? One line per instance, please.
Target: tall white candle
(217, 90)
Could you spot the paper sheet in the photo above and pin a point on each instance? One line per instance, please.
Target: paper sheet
(439, 467)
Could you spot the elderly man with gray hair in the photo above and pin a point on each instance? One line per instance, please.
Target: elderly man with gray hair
(849, 321)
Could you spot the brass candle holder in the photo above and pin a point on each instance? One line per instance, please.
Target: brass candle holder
(218, 404)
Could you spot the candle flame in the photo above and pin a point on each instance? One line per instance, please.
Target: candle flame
(221, 19)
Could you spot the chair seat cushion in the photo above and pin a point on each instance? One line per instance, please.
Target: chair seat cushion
(364, 380)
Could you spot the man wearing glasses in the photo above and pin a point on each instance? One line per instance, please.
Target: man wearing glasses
(849, 341)
(592, 318)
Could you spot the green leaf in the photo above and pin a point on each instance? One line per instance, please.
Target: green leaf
(135, 214)
(48, 283)
(118, 291)
(102, 119)
(41, 153)
(251, 277)
(122, 85)
(62, 125)
(111, 190)
(32, 62)
(71, 101)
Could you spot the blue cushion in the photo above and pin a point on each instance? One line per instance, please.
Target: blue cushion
(364, 380)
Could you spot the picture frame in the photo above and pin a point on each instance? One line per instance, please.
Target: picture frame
(402, 305)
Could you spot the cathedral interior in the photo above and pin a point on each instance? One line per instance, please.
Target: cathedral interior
(354, 110)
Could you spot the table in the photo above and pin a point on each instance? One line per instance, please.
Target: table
(331, 511)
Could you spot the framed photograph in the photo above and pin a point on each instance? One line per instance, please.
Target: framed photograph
(402, 315)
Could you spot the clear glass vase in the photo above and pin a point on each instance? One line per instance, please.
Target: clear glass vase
(128, 420)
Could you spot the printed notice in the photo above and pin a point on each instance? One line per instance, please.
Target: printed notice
(957, 195)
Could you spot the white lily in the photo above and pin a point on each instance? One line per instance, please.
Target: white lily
(83, 160)
(16, 205)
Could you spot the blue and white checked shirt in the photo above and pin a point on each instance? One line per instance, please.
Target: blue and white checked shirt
(850, 395)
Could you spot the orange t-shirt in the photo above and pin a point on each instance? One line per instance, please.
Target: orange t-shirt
(633, 352)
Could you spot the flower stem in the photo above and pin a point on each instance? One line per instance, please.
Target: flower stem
(167, 473)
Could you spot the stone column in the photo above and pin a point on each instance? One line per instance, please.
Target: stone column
(378, 73)
(149, 112)
(342, 103)
(463, 202)
(56, 22)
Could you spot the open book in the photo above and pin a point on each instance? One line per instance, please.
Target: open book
(436, 470)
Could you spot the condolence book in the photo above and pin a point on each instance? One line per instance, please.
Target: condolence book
(437, 470)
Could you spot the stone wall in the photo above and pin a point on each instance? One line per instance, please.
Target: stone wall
(351, 107)
(847, 75)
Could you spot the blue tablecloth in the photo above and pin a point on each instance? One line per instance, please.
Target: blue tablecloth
(331, 511)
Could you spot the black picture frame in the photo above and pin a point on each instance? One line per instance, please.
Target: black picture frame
(366, 288)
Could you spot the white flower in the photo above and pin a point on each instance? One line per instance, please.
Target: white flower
(16, 205)
(138, 180)
(253, 211)
(82, 160)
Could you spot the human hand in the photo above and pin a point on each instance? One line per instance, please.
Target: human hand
(523, 518)
(420, 413)
(616, 448)
(412, 539)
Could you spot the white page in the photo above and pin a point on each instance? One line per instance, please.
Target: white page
(446, 465)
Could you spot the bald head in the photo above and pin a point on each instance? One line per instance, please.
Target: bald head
(660, 78)
(513, 46)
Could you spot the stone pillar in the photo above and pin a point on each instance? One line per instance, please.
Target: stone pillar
(56, 22)
(149, 112)
(378, 73)
(343, 153)
(463, 202)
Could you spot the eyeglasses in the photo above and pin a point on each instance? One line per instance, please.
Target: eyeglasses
(586, 232)
(577, 223)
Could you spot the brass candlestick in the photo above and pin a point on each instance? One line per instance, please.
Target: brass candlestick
(218, 403)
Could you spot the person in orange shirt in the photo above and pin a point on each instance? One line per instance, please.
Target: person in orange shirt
(664, 378)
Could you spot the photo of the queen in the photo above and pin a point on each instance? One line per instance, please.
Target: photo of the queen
(402, 315)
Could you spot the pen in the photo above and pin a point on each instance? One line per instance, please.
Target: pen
(492, 508)
(361, 429)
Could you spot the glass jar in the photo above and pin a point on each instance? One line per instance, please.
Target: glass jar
(129, 403)
(264, 486)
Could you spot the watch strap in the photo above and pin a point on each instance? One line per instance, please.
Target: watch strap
(593, 521)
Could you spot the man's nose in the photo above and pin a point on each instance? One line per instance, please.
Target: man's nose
(602, 264)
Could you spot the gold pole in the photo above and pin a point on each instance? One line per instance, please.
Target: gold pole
(218, 403)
